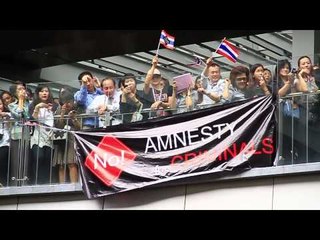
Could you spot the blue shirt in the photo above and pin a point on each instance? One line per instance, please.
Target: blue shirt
(84, 98)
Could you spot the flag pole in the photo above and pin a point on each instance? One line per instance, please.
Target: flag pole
(158, 45)
(220, 44)
(158, 48)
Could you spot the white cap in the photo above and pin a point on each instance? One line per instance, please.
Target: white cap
(156, 71)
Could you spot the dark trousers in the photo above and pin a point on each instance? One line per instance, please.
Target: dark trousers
(41, 165)
(4, 163)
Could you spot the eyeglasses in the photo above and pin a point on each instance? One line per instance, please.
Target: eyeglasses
(156, 76)
(241, 79)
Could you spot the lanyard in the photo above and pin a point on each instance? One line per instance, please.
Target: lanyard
(154, 95)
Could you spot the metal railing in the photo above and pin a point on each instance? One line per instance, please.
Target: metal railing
(32, 160)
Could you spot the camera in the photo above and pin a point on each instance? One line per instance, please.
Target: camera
(294, 70)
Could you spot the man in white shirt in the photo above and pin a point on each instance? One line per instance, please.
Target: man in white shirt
(106, 104)
(214, 85)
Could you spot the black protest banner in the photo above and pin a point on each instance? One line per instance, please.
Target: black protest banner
(222, 138)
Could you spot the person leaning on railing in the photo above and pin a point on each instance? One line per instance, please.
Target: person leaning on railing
(257, 84)
(157, 91)
(186, 99)
(89, 90)
(4, 143)
(6, 98)
(20, 134)
(41, 144)
(305, 76)
(108, 103)
(285, 85)
(236, 89)
(213, 84)
(131, 100)
(64, 153)
(308, 105)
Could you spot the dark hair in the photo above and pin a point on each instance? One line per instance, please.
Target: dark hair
(253, 68)
(198, 78)
(66, 94)
(5, 92)
(237, 71)
(268, 70)
(5, 107)
(281, 64)
(125, 77)
(13, 88)
(108, 78)
(38, 90)
(316, 74)
(37, 100)
(29, 91)
(83, 74)
(299, 60)
(215, 65)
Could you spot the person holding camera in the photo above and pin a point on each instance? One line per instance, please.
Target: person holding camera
(131, 101)
(290, 111)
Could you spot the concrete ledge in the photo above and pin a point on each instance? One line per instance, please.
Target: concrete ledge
(268, 172)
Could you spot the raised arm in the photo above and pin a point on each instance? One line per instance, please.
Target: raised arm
(147, 81)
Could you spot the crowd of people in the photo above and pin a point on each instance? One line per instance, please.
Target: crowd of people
(46, 155)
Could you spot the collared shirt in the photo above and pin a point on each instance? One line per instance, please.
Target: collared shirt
(4, 132)
(111, 102)
(84, 98)
(216, 88)
(19, 115)
(42, 136)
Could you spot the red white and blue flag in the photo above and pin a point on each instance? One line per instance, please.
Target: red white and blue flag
(228, 50)
(197, 62)
(167, 40)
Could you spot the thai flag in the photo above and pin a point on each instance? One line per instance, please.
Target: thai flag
(197, 62)
(167, 40)
(228, 50)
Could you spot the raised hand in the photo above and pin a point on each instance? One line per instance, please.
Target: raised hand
(155, 61)
(96, 82)
(209, 61)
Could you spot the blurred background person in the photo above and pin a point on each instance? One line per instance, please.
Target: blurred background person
(42, 111)
(257, 85)
(20, 135)
(109, 103)
(131, 100)
(89, 90)
(64, 153)
(4, 144)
